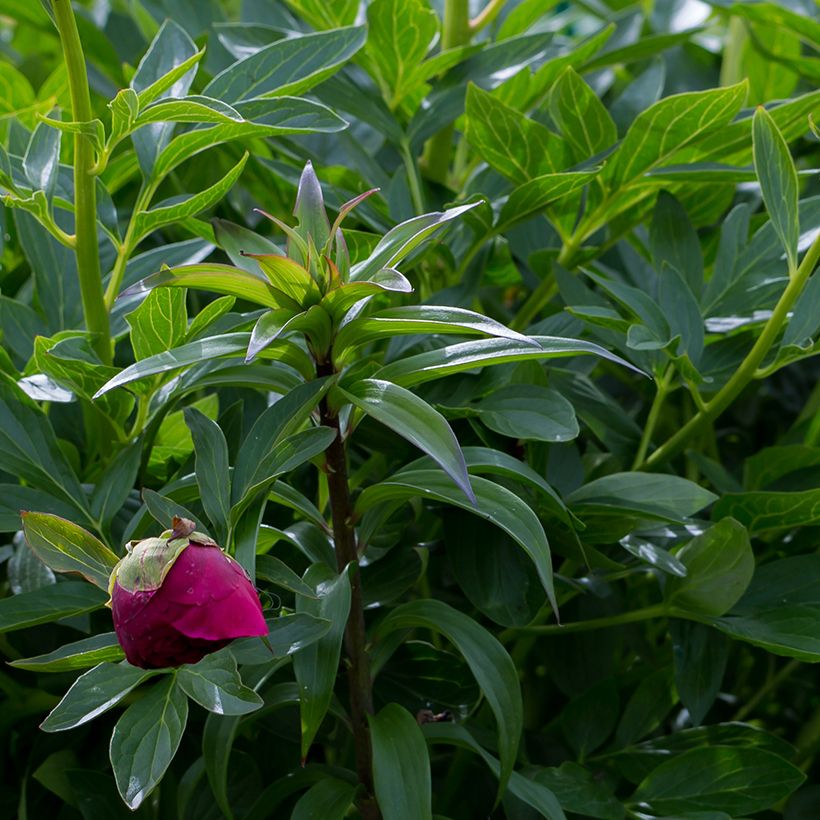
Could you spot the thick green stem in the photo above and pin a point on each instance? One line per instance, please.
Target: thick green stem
(746, 372)
(358, 661)
(456, 32)
(85, 196)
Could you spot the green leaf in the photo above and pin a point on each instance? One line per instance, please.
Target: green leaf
(234, 240)
(735, 780)
(66, 547)
(159, 323)
(650, 703)
(778, 181)
(214, 683)
(398, 242)
(93, 693)
(700, 655)
(288, 634)
(414, 419)
(585, 123)
(763, 512)
(590, 718)
(488, 660)
(668, 126)
(533, 196)
(421, 319)
(77, 655)
(316, 666)
(289, 277)
(533, 794)
(674, 242)
(208, 315)
(401, 765)
(578, 790)
(203, 350)
(444, 361)
(277, 572)
(329, 799)
(29, 448)
(494, 503)
(781, 609)
(529, 412)
(41, 164)
(116, 483)
(719, 566)
(517, 147)
(145, 740)
(49, 603)
(146, 222)
(212, 473)
(289, 66)
(187, 109)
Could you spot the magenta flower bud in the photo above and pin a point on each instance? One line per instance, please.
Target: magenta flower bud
(179, 597)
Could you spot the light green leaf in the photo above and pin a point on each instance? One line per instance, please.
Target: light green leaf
(159, 323)
(414, 419)
(488, 661)
(778, 181)
(145, 740)
(401, 765)
(187, 109)
(533, 196)
(66, 547)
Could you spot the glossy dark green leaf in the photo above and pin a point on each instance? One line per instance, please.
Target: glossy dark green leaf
(778, 181)
(781, 609)
(272, 569)
(529, 412)
(93, 693)
(401, 765)
(414, 419)
(735, 780)
(490, 664)
(42, 160)
(719, 566)
(494, 503)
(287, 634)
(578, 790)
(455, 358)
(214, 683)
(316, 665)
(67, 547)
(77, 655)
(330, 799)
(649, 704)
(700, 655)
(146, 738)
(588, 720)
(116, 484)
(289, 66)
(212, 475)
(50, 603)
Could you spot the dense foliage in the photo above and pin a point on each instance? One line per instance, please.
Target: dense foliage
(512, 419)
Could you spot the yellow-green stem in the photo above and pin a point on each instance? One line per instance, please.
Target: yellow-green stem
(85, 197)
(455, 33)
(652, 418)
(486, 15)
(746, 372)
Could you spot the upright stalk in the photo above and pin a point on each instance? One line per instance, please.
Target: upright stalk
(85, 196)
(456, 32)
(748, 367)
(358, 662)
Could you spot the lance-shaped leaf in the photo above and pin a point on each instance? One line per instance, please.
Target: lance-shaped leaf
(66, 547)
(435, 364)
(310, 208)
(778, 181)
(187, 109)
(289, 277)
(414, 419)
(533, 196)
(288, 66)
(268, 328)
(77, 655)
(419, 319)
(215, 278)
(49, 603)
(494, 503)
(340, 300)
(398, 242)
(146, 739)
(489, 662)
(317, 665)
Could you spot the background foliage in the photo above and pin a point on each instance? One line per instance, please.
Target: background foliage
(598, 180)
